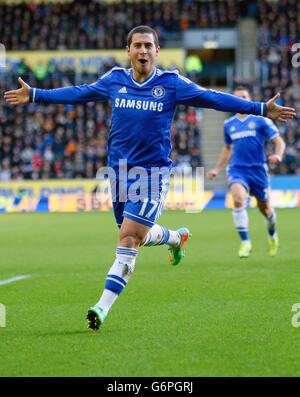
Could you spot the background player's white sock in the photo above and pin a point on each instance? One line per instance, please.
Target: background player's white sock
(270, 222)
(118, 277)
(159, 235)
(241, 222)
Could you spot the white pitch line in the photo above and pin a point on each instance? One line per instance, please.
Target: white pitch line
(11, 280)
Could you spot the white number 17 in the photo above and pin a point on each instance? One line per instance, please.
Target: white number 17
(150, 212)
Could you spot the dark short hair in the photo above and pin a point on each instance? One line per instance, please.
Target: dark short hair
(142, 29)
(242, 88)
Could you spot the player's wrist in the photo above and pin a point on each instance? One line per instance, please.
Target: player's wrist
(263, 109)
(32, 94)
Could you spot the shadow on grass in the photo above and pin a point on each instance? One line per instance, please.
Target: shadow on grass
(41, 333)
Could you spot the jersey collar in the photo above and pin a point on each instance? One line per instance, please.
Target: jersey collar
(243, 119)
(144, 82)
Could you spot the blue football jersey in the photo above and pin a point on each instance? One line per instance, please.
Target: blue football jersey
(247, 135)
(142, 112)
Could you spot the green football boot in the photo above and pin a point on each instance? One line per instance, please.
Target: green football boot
(273, 246)
(95, 317)
(245, 249)
(177, 253)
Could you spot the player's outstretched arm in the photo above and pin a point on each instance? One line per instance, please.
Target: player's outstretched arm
(20, 96)
(277, 112)
(65, 95)
(191, 94)
(223, 159)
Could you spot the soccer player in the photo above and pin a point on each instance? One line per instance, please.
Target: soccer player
(143, 100)
(244, 137)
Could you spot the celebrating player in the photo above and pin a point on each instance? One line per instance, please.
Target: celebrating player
(143, 100)
(244, 137)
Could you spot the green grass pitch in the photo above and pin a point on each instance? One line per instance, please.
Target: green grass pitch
(213, 315)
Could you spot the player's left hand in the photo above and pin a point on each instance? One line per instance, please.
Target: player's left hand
(274, 159)
(277, 112)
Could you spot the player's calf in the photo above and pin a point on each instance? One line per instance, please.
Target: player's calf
(117, 278)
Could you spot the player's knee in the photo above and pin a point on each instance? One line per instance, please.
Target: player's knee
(238, 201)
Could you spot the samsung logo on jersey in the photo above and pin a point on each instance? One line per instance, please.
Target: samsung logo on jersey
(138, 104)
(243, 134)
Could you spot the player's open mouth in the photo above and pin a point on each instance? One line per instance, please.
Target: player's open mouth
(143, 61)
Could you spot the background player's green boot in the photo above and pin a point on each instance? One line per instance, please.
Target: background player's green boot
(177, 253)
(245, 249)
(273, 246)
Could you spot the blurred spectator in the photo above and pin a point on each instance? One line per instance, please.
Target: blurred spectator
(40, 71)
(5, 172)
(193, 66)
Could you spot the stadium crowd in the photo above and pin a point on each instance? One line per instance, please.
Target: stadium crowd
(279, 30)
(41, 142)
(95, 24)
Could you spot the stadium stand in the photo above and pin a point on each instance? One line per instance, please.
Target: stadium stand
(90, 24)
(70, 141)
(279, 29)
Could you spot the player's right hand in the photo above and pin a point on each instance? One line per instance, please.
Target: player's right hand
(20, 96)
(211, 174)
(274, 159)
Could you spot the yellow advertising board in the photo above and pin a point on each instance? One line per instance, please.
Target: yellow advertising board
(88, 195)
(91, 60)
(49, 187)
(80, 195)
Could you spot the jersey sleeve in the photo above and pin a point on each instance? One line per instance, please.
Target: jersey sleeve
(189, 93)
(97, 91)
(227, 139)
(269, 129)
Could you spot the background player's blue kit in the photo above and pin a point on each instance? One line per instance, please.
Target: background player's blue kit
(248, 165)
(140, 125)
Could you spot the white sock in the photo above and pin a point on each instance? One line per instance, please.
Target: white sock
(270, 222)
(241, 222)
(159, 235)
(118, 276)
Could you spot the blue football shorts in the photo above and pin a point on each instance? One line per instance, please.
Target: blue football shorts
(140, 199)
(256, 180)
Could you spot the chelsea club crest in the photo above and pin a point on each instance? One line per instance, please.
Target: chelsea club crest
(158, 91)
(251, 125)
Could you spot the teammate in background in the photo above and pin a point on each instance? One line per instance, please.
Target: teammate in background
(244, 138)
(144, 100)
